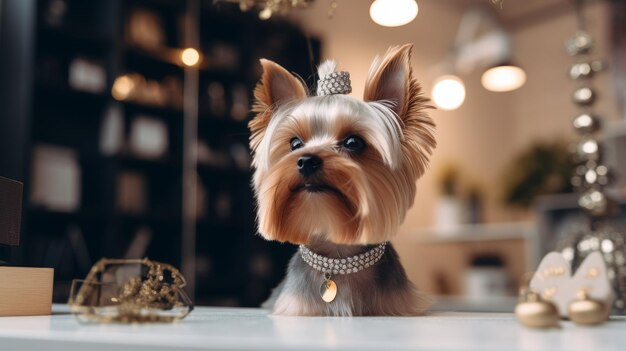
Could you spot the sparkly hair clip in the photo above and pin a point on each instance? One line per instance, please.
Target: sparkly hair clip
(332, 82)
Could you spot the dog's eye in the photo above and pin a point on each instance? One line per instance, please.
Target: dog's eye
(353, 143)
(296, 143)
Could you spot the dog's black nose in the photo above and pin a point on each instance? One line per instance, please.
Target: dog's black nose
(309, 164)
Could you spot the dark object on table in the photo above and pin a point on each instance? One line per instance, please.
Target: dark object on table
(23, 291)
(10, 211)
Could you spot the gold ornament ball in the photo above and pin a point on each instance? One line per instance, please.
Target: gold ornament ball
(537, 314)
(588, 312)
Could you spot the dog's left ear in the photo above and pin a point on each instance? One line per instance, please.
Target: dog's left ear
(390, 78)
(276, 87)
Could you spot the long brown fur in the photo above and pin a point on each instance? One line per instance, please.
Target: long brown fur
(367, 193)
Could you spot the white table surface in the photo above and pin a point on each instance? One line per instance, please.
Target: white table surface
(251, 329)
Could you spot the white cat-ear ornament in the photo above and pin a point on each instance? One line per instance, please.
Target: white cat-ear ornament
(553, 282)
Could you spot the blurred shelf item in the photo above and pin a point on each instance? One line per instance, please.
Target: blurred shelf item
(475, 232)
(56, 178)
(167, 58)
(137, 87)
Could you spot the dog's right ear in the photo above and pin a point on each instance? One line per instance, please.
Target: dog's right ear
(276, 87)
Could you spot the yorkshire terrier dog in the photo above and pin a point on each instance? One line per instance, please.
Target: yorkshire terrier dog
(336, 175)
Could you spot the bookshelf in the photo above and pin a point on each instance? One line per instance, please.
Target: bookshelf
(230, 264)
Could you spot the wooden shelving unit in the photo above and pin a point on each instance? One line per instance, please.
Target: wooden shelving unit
(437, 260)
(475, 232)
(233, 266)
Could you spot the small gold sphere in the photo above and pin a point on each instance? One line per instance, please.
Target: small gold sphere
(537, 314)
(588, 312)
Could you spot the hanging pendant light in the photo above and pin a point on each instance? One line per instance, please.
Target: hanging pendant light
(503, 77)
(393, 13)
(448, 92)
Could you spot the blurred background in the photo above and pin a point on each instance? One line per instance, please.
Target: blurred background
(126, 122)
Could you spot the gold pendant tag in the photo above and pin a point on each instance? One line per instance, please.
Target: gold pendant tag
(328, 290)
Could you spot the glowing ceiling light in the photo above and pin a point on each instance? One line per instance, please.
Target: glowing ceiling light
(503, 78)
(190, 57)
(448, 92)
(393, 13)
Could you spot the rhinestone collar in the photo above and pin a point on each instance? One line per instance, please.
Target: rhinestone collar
(346, 265)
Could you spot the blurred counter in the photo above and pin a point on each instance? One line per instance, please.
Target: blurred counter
(253, 329)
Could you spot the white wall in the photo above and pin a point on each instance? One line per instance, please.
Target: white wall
(543, 108)
(484, 134)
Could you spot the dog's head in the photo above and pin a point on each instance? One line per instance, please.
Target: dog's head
(335, 167)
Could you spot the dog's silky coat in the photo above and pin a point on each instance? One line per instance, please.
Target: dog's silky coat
(338, 174)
